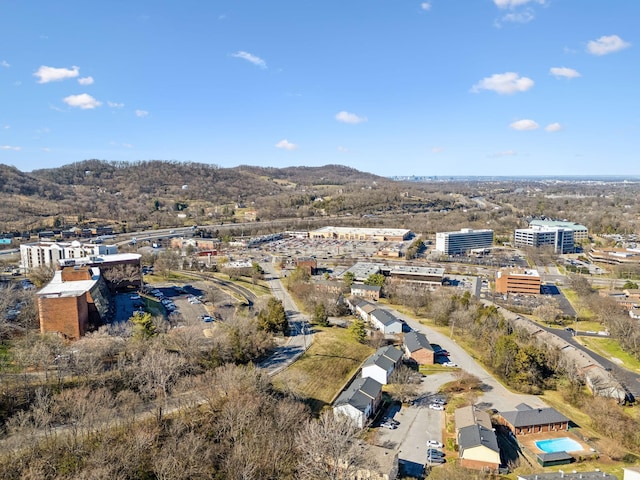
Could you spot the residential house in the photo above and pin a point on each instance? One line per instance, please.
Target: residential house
(416, 347)
(477, 442)
(381, 364)
(362, 308)
(359, 401)
(525, 419)
(368, 292)
(386, 322)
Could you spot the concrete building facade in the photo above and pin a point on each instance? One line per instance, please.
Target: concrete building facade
(580, 232)
(453, 243)
(561, 239)
(49, 254)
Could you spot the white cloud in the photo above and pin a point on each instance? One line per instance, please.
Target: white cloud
(10, 147)
(250, 58)
(115, 104)
(564, 72)
(141, 113)
(553, 127)
(45, 149)
(504, 83)
(606, 44)
(346, 117)
(525, 124)
(85, 80)
(4, 64)
(518, 17)
(286, 145)
(506, 153)
(50, 74)
(437, 150)
(425, 6)
(515, 3)
(6, 126)
(83, 101)
(342, 149)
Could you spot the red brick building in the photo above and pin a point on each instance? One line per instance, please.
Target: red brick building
(75, 299)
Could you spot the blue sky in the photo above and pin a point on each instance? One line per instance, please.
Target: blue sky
(392, 87)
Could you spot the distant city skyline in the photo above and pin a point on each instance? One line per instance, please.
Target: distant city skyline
(426, 88)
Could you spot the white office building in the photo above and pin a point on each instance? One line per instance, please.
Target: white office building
(580, 232)
(452, 243)
(561, 239)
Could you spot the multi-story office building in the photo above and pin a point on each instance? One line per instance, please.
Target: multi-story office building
(452, 243)
(561, 239)
(580, 232)
(518, 281)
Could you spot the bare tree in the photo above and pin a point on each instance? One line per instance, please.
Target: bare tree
(329, 449)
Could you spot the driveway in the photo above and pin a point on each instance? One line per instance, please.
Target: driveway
(418, 423)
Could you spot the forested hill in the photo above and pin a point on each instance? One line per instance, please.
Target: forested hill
(149, 193)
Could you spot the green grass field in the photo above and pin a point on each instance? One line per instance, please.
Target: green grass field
(323, 370)
(610, 349)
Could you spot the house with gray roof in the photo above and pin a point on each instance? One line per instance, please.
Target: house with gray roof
(416, 346)
(525, 419)
(386, 322)
(466, 416)
(359, 401)
(370, 292)
(478, 447)
(381, 364)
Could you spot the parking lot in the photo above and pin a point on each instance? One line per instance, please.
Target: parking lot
(417, 424)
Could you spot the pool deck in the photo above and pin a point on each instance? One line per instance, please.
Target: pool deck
(529, 441)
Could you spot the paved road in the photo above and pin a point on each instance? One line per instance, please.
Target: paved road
(495, 394)
(300, 333)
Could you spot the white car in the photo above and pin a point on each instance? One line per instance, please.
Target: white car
(450, 364)
(434, 444)
(435, 406)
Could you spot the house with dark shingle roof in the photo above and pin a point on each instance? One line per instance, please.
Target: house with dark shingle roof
(359, 401)
(381, 364)
(386, 322)
(525, 419)
(416, 347)
(477, 442)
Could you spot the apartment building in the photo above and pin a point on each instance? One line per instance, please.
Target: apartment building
(453, 243)
(49, 254)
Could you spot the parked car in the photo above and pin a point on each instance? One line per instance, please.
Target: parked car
(450, 364)
(435, 406)
(434, 443)
(388, 425)
(435, 460)
(434, 453)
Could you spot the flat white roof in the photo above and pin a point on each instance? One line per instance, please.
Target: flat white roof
(368, 231)
(519, 272)
(412, 270)
(102, 259)
(57, 288)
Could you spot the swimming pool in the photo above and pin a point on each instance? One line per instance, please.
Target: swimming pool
(563, 444)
